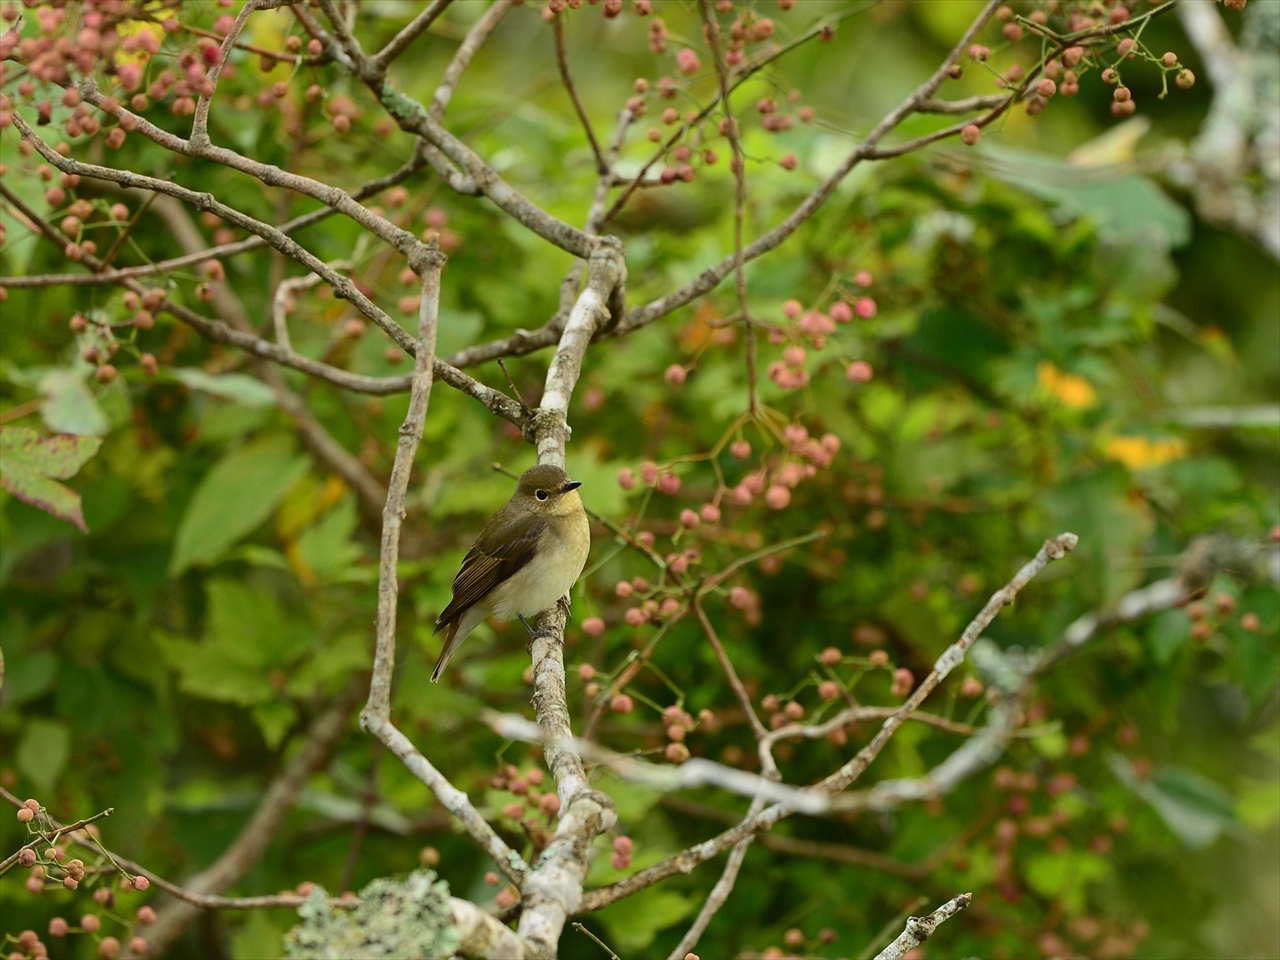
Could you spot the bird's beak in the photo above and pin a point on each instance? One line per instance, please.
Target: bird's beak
(571, 485)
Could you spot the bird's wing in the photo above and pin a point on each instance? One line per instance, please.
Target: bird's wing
(488, 563)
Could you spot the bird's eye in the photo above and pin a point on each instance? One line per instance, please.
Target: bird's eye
(541, 494)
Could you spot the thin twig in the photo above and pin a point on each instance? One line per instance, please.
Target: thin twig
(920, 929)
(739, 165)
(416, 27)
(685, 861)
(200, 124)
(562, 61)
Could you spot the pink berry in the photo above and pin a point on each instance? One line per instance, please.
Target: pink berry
(791, 309)
(626, 478)
(689, 518)
(740, 449)
(970, 134)
(710, 513)
(676, 374)
(865, 308)
(649, 472)
(841, 312)
(593, 626)
(777, 497)
(788, 162)
(622, 704)
(669, 484)
(859, 371)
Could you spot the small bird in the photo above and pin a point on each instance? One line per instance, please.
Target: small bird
(527, 557)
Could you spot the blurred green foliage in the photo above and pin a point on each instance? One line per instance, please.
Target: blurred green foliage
(1044, 334)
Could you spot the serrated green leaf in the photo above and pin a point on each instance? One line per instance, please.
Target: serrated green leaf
(234, 497)
(325, 548)
(28, 462)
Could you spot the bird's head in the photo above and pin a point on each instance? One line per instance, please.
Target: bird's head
(547, 489)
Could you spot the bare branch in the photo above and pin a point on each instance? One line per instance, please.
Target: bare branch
(221, 252)
(967, 105)
(685, 861)
(562, 61)
(400, 42)
(485, 937)
(553, 890)
(696, 772)
(920, 929)
(200, 125)
(719, 893)
(712, 26)
(251, 844)
(375, 718)
(474, 40)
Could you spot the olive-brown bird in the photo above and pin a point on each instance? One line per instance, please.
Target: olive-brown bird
(527, 557)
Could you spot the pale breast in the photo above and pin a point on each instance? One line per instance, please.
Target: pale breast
(547, 577)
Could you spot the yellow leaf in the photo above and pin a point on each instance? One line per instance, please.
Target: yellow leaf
(1136, 453)
(1070, 390)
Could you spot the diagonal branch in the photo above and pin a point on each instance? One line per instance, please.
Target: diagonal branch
(920, 929)
(400, 42)
(683, 862)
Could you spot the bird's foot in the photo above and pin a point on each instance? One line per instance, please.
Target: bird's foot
(564, 603)
(534, 634)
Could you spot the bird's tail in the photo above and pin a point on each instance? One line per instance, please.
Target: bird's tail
(451, 644)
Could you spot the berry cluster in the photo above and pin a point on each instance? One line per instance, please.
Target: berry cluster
(45, 857)
(534, 810)
(1107, 45)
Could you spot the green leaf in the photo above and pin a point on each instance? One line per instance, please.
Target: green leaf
(1258, 806)
(214, 672)
(43, 752)
(325, 548)
(251, 625)
(1193, 807)
(234, 497)
(274, 718)
(249, 648)
(230, 386)
(1066, 876)
(30, 676)
(29, 462)
(69, 406)
(635, 923)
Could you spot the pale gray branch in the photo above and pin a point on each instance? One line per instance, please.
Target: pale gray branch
(375, 718)
(920, 929)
